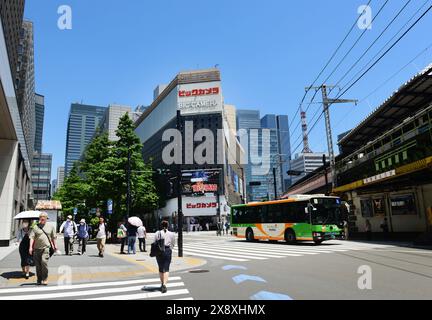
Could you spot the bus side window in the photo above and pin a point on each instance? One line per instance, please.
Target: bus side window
(288, 213)
(301, 215)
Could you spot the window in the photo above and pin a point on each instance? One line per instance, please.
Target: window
(403, 205)
(366, 208)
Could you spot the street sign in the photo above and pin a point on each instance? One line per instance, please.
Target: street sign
(110, 206)
(75, 211)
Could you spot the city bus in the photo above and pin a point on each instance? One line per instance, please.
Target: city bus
(299, 218)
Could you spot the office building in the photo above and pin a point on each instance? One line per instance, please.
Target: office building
(15, 186)
(40, 114)
(25, 83)
(41, 176)
(60, 177)
(12, 12)
(198, 97)
(306, 163)
(265, 142)
(82, 124)
(112, 117)
(53, 187)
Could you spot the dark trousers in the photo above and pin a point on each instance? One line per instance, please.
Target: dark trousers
(68, 245)
(142, 244)
(123, 243)
(82, 243)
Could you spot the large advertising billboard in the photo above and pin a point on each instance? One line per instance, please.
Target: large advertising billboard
(200, 98)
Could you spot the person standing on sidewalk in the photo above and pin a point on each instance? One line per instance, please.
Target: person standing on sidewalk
(69, 229)
(141, 238)
(42, 239)
(164, 259)
(122, 235)
(368, 229)
(101, 236)
(24, 247)
(132, 235)
(83, 236)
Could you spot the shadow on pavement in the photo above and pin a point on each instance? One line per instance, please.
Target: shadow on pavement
(14, 275)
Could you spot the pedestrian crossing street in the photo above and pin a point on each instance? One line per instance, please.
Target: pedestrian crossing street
(144, 289)
(231, 249)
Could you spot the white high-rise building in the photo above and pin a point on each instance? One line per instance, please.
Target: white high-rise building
(306, 163)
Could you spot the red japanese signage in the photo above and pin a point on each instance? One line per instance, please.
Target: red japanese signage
(201, 205)
(202, 187)
(199, 92)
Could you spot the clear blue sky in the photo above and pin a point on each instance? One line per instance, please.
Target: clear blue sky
(268, 51)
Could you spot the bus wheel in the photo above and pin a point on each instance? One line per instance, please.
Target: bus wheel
(318, 242)
(290, 237)
(250, 235)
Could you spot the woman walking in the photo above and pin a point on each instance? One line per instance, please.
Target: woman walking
(164, 259)
(24, 246)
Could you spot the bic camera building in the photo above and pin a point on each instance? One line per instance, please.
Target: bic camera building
(198, 96)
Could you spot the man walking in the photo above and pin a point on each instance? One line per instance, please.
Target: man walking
(42, 238)
(132, 234)
(69, 229)
(83, 235)
(141, 238)
(101, 236)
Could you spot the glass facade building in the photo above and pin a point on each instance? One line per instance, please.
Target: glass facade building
(41, 176)
(40, 113)
(268, 140)
(82, 125)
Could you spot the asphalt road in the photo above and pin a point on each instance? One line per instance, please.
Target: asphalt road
(237, 270)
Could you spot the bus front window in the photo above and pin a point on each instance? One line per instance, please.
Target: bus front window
(326, 211)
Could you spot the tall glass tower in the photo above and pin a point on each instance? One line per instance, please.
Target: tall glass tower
(82, 125)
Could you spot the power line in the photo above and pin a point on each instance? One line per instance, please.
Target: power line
(356, 42)
(388, 42)
(328, 63)
(374, 42)
(375, 63)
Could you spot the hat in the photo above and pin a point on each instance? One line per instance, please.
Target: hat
(82, 221)
(69, 217)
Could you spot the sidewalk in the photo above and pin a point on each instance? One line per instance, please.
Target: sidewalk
(89, 267)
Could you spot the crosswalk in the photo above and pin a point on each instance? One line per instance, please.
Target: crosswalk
(143, 289)
(241, 251)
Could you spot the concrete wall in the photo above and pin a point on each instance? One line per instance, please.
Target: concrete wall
(8, 182)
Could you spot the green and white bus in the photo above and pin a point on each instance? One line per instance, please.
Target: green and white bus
(299, 218)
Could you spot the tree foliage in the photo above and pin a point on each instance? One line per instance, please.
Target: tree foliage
(102, 175)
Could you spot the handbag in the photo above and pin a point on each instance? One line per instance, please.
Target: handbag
(121, 234)
(158, 247)
(51, 249)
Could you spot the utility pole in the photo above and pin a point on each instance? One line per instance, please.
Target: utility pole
(326, 109)
(180, 192)
(326, 174)
(275, 184)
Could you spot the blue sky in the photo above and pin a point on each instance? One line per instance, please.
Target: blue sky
(267, 51)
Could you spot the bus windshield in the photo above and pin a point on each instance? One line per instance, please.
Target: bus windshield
(326, 211)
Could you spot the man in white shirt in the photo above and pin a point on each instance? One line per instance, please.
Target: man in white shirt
(141, 238)
(69, 229)
(102, 235)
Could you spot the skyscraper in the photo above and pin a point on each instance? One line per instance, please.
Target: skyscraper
(41, 176)
(40, 113)
(82, 124)
(25, 83)
(12, 12)
(60, 177)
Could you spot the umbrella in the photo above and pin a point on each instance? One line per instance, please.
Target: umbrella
(135, 221)
(28, 215)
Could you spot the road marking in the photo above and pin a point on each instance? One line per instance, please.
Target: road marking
(213, 257)
(236, 251)
(82, 286)
(140, 296)
(244, 277)
(232, 267)
(293, 252)
(265, 295)
(225, 254)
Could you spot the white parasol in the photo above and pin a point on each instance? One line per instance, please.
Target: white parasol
(135, 221)
(28, 215)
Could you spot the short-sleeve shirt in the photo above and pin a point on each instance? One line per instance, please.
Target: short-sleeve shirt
(168, 236)
(41, 241)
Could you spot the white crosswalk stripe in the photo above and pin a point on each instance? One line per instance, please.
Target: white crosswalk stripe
(117, 290)
(236, 250)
